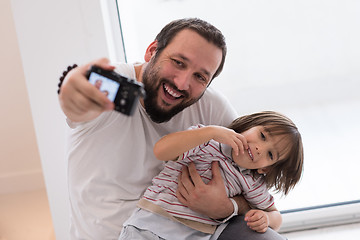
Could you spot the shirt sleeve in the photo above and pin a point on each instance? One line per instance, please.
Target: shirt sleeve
(258, 195)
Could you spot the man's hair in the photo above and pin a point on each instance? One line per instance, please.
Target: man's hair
(203, 28)
(285, 173)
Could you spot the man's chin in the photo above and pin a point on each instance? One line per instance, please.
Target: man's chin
(160, 115)
(161, 111)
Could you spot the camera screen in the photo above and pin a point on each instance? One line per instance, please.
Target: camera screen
(105, 85)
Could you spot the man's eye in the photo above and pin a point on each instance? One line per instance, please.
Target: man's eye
(200, 77)
(177, 62)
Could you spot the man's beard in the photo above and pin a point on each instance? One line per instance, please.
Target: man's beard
(152, 83)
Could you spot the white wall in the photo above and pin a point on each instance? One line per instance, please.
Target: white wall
(20, 168)
(52, 35)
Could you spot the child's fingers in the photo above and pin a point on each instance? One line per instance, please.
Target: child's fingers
(259, 225)
(235, 147)
(241, 142)
(259, 228)
(249, 216)
(256, 220)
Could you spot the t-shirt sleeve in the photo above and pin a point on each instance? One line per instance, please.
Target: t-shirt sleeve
(218, 111)
(258, 196)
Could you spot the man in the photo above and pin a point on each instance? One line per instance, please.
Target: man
(111, 161)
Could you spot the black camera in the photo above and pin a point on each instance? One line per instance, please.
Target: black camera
(124, 92)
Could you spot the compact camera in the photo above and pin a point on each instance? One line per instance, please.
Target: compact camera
(124, 92)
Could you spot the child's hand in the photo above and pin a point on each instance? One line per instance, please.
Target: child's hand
(257, 220)
(230, 137)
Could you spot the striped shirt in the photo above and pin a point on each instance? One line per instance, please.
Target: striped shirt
(237, 181)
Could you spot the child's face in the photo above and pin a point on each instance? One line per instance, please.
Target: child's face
(264, 150)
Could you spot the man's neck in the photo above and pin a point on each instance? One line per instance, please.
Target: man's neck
(139, 71)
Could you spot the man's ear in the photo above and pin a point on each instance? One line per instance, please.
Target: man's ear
(263, 170)
(150, 51)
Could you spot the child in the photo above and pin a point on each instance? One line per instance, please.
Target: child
(257, 152)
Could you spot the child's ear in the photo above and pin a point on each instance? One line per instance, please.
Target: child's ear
(263, 170)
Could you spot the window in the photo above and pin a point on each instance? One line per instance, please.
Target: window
(300, 58)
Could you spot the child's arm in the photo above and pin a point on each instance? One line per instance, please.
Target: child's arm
(259, 220)
(173, 145)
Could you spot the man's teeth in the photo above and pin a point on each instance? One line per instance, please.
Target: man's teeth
(250, 154)
(171, 92)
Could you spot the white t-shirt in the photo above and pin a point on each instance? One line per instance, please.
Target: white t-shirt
(111, 160)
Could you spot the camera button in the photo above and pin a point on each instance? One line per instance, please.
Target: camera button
(122, 102)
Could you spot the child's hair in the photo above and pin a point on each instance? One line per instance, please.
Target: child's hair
(285, 173)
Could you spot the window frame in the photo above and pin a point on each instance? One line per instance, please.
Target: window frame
(293, 219)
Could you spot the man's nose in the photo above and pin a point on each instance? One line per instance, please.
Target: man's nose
(182, 80)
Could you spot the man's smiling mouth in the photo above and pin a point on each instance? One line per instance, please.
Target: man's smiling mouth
(169, 91)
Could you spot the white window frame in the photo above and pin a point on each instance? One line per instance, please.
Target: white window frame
(112, 25)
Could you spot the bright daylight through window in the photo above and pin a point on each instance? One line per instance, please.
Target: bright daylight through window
(300, 58)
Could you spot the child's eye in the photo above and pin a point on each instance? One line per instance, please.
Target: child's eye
(271, 156)
(262, 136)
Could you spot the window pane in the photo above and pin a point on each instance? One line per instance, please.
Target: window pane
(300, 58)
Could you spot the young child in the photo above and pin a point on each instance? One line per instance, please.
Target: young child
(256, 152)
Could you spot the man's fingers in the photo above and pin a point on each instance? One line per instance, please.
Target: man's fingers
(96, 97)
(181, 188)
(181, 194)
(93, 98)
(216, 174)
(104, 63)
(186, 181)
(79, 99)
(194, 175)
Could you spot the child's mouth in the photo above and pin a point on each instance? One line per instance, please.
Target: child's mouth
(250, 154)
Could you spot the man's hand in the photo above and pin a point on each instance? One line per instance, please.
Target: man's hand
(79, 99)
(209, 199)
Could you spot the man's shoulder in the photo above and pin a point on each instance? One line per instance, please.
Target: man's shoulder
(213, 98)
(125, 69)
(213, 93)
(212, 108)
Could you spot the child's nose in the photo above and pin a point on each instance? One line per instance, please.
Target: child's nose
(259, 150)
